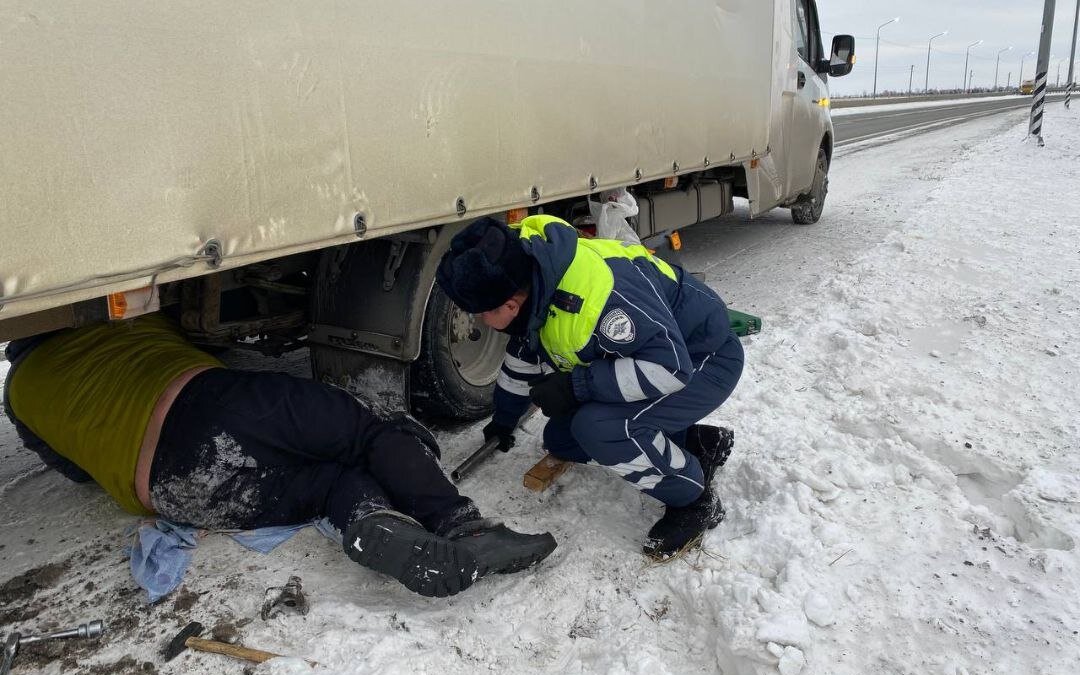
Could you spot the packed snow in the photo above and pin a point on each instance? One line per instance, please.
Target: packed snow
(904, 495)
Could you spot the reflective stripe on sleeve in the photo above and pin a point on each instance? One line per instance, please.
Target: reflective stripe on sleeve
(660, 377)
(516, 387)
(627, 379)
(519, 366)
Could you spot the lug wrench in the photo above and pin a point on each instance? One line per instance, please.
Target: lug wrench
(92, 629)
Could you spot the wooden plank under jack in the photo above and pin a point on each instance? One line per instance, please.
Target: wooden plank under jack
(544, 473)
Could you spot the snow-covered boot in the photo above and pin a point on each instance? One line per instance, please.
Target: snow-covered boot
(500, 550)
(711, 445)
(398, 546)
(683, 524)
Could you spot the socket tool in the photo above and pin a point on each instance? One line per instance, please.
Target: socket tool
(87, 630)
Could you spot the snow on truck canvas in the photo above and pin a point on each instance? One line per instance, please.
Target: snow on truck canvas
(902, 495)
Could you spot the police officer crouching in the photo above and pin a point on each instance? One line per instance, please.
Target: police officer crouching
(622, 351)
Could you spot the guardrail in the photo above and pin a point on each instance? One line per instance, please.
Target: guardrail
(886, 100)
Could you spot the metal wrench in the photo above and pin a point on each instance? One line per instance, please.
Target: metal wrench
(92, 629)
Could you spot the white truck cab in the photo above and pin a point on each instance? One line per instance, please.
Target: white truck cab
(801, 136)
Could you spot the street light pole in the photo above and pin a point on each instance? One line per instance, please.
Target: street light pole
(877, 49)
(967, 54)
(999, 63)
(911, 77)
(926, 87)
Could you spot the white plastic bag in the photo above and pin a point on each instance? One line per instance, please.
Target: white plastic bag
(611, 212)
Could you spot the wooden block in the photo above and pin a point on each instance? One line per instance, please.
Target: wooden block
(544, 473)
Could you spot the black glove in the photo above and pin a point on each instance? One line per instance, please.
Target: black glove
(502, 432)
(554, 394)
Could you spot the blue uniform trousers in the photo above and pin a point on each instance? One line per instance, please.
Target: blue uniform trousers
(643, 442)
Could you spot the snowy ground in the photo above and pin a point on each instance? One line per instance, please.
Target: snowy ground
(904, 496)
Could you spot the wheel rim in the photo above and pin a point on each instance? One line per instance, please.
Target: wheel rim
(475, 349)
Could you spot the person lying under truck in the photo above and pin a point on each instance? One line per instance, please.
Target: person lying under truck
(622, 351)
(166, 429)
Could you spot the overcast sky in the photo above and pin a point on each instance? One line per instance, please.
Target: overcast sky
(999, 23)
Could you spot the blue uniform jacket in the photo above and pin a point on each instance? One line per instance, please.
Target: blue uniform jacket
(651, 335)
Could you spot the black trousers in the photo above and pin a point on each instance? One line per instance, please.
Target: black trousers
(245, 450)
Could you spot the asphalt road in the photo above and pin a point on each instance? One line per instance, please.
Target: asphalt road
(857, 127)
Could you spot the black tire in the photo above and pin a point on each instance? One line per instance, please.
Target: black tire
(807, 210)
(441, 385)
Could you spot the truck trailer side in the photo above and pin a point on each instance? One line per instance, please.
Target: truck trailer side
(282, 175)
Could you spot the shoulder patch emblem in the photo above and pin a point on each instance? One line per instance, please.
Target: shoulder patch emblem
(618, 327)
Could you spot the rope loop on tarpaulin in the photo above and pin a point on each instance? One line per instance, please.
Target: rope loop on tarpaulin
(210, 253)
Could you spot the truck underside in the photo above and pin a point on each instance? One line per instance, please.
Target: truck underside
(370, 313)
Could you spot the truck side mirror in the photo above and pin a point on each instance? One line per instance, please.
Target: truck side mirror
(843, 55)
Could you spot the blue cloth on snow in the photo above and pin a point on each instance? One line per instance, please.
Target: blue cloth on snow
(161, 551)
(160, 555)
(266, 539)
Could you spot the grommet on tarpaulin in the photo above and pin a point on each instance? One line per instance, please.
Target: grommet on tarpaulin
(212, 253)
(459, 205)
(360, 225)
(534, 193)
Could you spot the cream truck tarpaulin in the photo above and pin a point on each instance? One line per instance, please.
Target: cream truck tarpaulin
(132, 133)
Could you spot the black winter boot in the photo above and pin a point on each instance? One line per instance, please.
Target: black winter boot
(711, 445)
(396, 545)
(683, 524)
(500, 550)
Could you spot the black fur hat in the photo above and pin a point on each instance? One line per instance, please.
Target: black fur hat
(484, 267)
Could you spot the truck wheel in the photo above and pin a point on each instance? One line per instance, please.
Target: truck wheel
(807, 210)
(459, 360)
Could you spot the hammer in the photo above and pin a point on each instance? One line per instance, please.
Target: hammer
(189, 638)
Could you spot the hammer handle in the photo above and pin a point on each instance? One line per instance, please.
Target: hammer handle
(235, 651)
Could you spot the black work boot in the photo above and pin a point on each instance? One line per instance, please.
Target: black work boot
(711, 445)
(500, 550)
(396, 545)
(683, 524)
